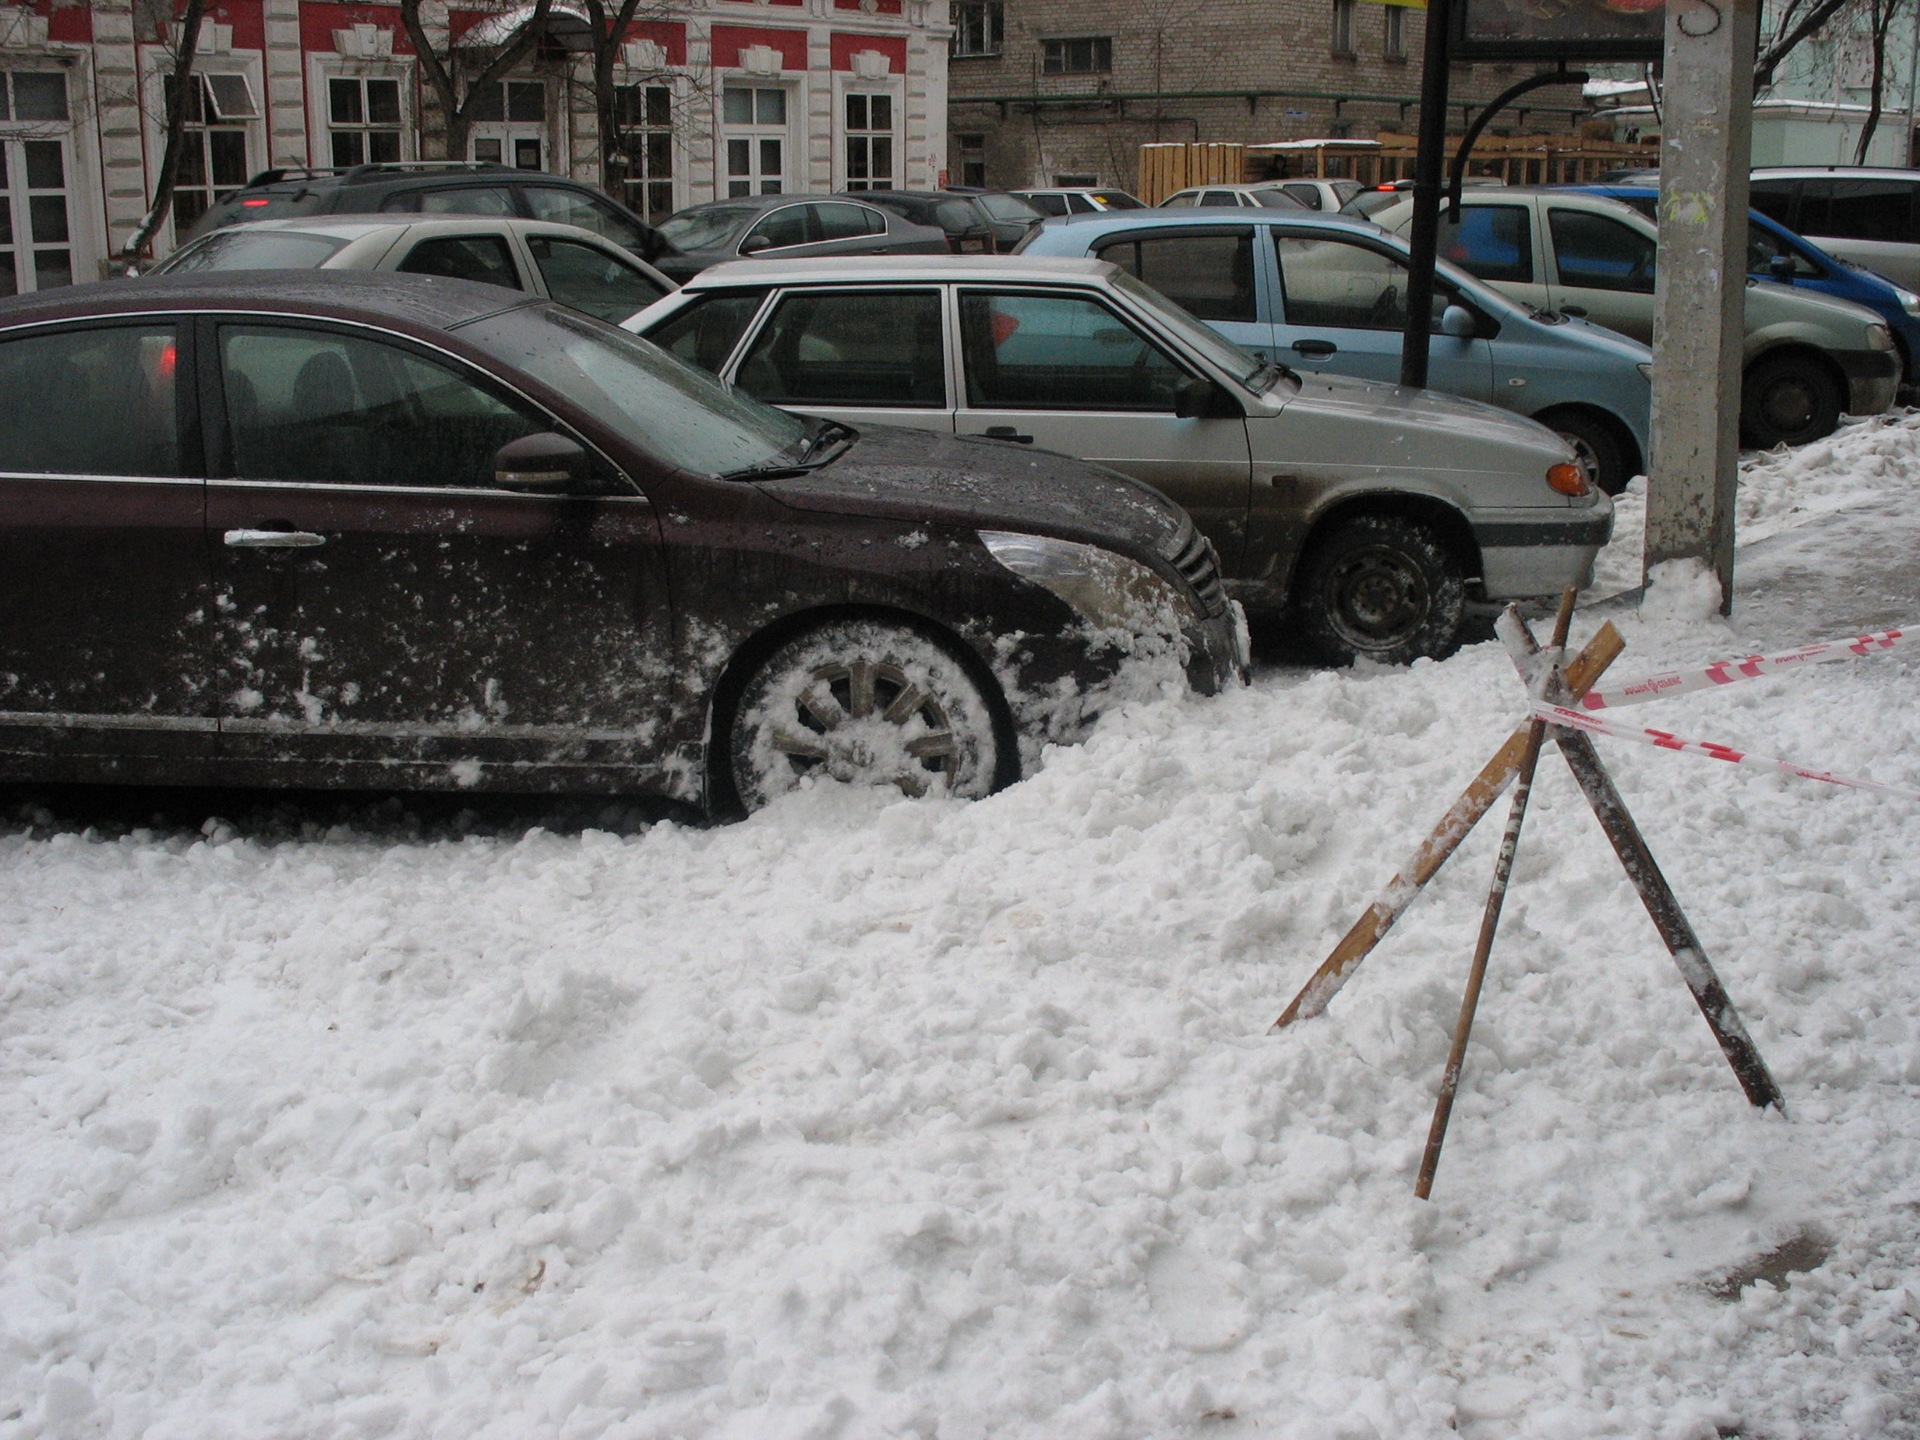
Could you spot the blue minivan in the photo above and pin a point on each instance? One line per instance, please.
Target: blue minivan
(1776, 253)
(1325, 292)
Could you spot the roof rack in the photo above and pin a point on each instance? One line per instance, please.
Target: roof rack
(413, 167)
(289, 172)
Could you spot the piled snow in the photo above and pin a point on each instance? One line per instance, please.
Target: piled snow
(877, 1118)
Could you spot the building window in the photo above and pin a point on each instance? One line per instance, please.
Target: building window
(979, 27)
(1394, 39)
(645, 117)
(755, 121)
(1086, 55)
(1343, 27)
(213, 154)
(973, 159)
(869, 142)
(363, 119)
(510, 124)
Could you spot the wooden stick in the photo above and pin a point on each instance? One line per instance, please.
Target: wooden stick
(1368, 931)
(1663, 906)
(1489, 922)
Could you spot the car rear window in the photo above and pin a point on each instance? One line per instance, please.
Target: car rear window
(238, 249)
(1494, 242)
(707, 229)
(245, 209)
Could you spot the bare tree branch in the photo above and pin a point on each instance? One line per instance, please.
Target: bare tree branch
(176, 128)
(441, 71)
(1789, 35)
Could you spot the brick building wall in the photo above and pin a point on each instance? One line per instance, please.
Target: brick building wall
(1027, 105)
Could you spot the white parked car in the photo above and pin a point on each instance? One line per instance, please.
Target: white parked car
(1266, 195)
(1077, 199)
(561, 262)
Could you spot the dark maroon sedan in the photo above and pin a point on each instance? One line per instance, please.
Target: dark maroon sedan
(326, 529)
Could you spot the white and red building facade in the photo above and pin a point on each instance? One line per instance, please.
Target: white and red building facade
(716, 97)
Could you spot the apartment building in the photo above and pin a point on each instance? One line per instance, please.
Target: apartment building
(716, 98)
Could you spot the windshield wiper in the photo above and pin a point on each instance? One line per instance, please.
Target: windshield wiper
(827, 441)
(824, 441)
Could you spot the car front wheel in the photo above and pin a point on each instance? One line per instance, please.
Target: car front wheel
(1788, 400)
(868, 703)
(1383, 587)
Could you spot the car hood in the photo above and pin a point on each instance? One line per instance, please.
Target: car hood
(987, 484)
(1769, 303)
(1357, 425)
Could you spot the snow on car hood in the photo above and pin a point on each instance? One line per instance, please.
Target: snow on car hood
(914, 475)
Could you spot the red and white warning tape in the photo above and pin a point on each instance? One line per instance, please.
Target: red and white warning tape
(1754, 667)
(1665, 740)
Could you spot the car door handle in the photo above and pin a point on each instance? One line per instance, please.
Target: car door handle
(1577, 311)
(1315, 348)
(1006, 432)
(273, 539)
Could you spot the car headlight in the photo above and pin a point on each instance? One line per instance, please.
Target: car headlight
(1879, 337)
(1909, 301)
(1110, 591)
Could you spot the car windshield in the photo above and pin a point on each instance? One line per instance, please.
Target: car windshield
(681, 415)
(1008, 207)
(708, 229)
(1117, 200)
(237, 249)
(1240, 364)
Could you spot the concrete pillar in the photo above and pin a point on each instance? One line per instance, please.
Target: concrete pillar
(1700, 288)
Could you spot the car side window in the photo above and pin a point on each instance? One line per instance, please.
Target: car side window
(333, 409)
(1210, 275)
(1337, 284)
(1059, 352)
(1774, 199)
(590, 279)
(705, 333)
(1763, 247)
(782, 227)
(104, 402)
(589, 212)
(1494, 242)
(1600, 253)
(1219, 197)
(1872, 210)
(846, 222)
(863, 348)
(467, 200)
(1181, 201)
(1307, 195)
(482, 258)
(1052, 204)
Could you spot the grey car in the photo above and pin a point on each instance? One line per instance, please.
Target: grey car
(1370, 514)
(789, 226)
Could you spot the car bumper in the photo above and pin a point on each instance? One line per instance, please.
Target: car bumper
(1872, 378)
(1527, 553)
(1218, 651)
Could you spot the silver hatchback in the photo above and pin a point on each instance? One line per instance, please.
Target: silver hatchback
(1370, 513)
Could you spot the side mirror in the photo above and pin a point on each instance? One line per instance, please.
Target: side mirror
(754, 244)
(1196, 399)
(540, 464)
(1780, 267)
(1458, 321)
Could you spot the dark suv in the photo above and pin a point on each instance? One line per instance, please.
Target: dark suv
(437, 188)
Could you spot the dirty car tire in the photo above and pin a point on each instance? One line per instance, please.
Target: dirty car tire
(1788, 400)
(1383, 587)
(1595, 446)
(868, 703)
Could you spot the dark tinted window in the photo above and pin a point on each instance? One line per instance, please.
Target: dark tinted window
(1220, 197)
(846, 222)
(1869, 210)
(472, 200)
(869, 348)
(312, 405)
(1059, 352)
(484, 258)
(782, 227)
(590, 279)
(104, 402)
(1494, 242)
(705, 333)
(1774, 199)
(1307, 195)
(1600, 253)
(1210, 275)
(1052, 204)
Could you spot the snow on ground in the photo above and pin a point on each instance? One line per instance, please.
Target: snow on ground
(877, 1118)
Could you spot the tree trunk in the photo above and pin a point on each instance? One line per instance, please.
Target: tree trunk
(1882, 21)
(440, 68)
(176, 103)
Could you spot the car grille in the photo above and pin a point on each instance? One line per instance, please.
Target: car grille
(1194, 557)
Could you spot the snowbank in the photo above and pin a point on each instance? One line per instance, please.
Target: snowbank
(878, 1118)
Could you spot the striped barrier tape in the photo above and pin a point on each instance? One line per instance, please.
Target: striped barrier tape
(1754, 667)
(1664, 740)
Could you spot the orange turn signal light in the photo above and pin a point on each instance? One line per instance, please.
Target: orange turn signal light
(1567, 479)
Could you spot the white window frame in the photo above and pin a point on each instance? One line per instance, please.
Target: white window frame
(846, 83)
(322, 68)
(554, 159)
(80, 157)
(155, 66)
(680, 113)
(792, 151)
